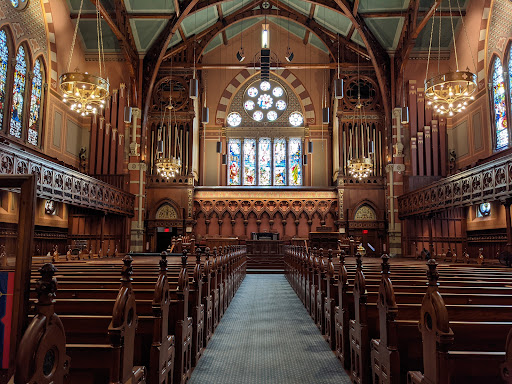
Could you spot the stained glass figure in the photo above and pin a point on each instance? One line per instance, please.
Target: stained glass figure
(35, 103)
(265, 101)
(265, 161)
(295, 161)
(265, 86)
(281, 105)
(4, 59)
(258, 115)
(249, 162)
(234, 161)
(500, 109)
(296, 119)
(277, 91)
(15, 3)
(20, 74)
(272, 115)
(234, 119)
(252, 92)
(279, 162)
(249, 105)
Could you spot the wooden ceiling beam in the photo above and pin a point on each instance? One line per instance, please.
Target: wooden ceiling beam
(123, 32)
(344, 65)
(356, 7)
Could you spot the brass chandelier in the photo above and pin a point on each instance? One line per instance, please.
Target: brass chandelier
(83, 92)
(168, 165)
(451, 92)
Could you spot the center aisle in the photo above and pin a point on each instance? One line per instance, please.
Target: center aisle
(266, 336)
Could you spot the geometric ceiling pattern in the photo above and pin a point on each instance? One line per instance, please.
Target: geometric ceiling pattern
(385, 19)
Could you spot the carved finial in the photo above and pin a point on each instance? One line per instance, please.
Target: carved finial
(215, 252)
(198, 256)
(127, 271)
(321, 253)
(163, 261)
(329, 254)
(207, 253)
(46, 286)
(184, 258)
(342, 257)
(359, 260)
(432, 273)
(220, 250)
(385, 264)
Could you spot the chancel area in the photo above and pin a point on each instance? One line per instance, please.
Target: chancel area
(255, 191)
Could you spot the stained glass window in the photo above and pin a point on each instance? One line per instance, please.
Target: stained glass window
(295, 161)
(296, 119)
(234, 119)
(15, 3)
(4, 59)
(265, 101)
(265, 161)
(234, 161)
(279, 162)
(35, 103)
(20, 74)
(483, 210)
(500, 109)
(510, 73)
(249, 162)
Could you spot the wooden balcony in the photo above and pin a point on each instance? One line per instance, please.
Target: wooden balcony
(59, 183)
(484, 183)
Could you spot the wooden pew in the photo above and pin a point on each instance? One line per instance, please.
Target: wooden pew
(41, 356)
(443, 363)
(111, 362)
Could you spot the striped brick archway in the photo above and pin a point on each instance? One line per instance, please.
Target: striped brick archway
(481, 70)
(51, 43)
(245, 74)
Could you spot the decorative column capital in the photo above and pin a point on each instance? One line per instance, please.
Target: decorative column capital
(395, 168)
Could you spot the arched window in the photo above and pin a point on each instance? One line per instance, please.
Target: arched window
(295, 161)
(4, 59)
(510, 73)
(35, 104)
(234, 161)
(250, 162)
(500, 107)
(265, 161)
(18, 93)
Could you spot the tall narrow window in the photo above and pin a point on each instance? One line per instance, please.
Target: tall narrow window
(510, 73)
(295, 161)
(265, 161)
(279, 162)
(35, 104)
(250, 162)
(20, 74)
(234, 161)
(4, 59)
(500, 108)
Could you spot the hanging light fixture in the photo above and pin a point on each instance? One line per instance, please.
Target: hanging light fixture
(361, 166)
(193, 89)
(224, 159)
(310, 146)
(289, 53)
(240, 55)
(85, 93)
(449, 93)
(169, 164)
(338, 82)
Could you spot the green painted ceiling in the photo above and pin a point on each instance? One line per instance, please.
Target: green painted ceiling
(145, 29)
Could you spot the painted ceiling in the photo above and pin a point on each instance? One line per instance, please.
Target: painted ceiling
(385, 18)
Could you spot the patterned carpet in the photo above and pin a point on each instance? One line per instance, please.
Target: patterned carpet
(266, 336)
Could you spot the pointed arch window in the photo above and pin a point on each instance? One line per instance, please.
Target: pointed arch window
(18, 93)
(4, 60)
(295, 161)
(500, 106)
(35, 104)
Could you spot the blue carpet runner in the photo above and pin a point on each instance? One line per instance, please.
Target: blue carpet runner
(266, 336)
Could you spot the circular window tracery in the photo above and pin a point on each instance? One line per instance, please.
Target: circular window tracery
(19, 4)
(296, 119)
(265, 101)
(234, 119)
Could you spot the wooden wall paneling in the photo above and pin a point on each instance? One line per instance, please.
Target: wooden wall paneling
(100, 141)
(443, 149)
(428, 151)
(107, 137)
(114, 134)
(414, 155)
(93, 145)
(435, 148)
(121, 131)
(421, 154)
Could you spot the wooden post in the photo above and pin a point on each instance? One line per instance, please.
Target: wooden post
(506, 204)
(430, 239)
(24, 252)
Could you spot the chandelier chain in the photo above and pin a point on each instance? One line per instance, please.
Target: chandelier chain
(466, 34)
(74, 35)
(453, 35)
(430, 44)
(439, 43)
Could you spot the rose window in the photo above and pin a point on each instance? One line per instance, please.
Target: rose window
(265, 101)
